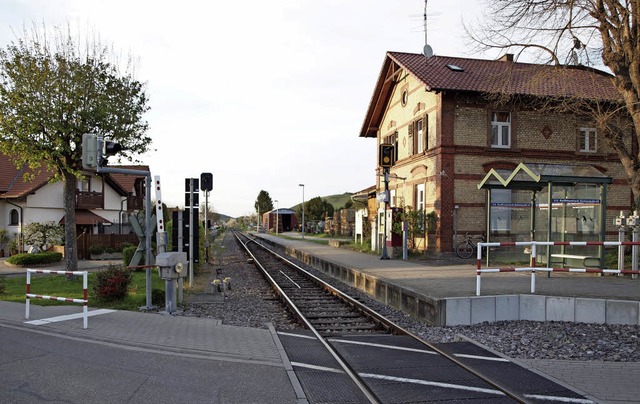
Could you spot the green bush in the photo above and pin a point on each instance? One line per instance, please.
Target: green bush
(125, 245)
(96, 249)
(25, 259)
(157, 297)
(127, 254)
(112, 283)
(109, 250)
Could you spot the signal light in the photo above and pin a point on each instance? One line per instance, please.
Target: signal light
(109, 148)
(387, 155)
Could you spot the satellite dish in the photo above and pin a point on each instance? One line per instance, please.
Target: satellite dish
(427, 51)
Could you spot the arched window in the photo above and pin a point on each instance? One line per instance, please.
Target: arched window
(14, 217)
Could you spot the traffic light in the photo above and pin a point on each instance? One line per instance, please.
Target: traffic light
(387, 155)
(89, 151)
(206, 181)
(109, 148)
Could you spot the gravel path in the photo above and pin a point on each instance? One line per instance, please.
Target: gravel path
(250, 302)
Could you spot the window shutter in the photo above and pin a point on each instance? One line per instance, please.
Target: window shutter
(425, 133)
(411, 142)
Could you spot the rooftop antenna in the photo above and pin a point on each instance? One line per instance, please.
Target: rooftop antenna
(427, 51)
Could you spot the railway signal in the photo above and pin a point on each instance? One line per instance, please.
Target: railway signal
(96, 151)
(387, 155)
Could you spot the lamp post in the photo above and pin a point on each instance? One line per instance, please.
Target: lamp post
(302, 185)
(277, 223)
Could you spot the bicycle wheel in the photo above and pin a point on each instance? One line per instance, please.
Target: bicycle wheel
(464, 250)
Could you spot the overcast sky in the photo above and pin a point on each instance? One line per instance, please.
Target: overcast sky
(265, 95)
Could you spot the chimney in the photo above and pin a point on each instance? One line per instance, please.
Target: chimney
(507, 57)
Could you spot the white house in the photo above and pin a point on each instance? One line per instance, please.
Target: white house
(103, 201)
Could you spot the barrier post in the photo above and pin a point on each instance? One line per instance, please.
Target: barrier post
(478, 266)
(621, 222)
(26, 314)
(84, 300)
(634, 222)
(533, 267)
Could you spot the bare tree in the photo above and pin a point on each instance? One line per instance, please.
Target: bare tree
(587, 32)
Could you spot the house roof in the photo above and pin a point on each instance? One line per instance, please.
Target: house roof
(503, 76)
(13, 185)
(127, 182)
(364, 194)
(86, 217)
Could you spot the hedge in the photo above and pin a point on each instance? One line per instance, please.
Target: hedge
(35, 259)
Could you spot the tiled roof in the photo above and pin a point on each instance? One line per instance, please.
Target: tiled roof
(126, 181)
(506, 77)
(86, 217)
(480, 76)
(12, 183)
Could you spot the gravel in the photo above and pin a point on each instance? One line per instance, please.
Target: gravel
(250, 302)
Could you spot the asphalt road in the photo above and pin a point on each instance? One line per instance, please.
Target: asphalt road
(41, 367)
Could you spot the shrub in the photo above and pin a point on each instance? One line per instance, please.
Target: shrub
(109, 250)
(125, 245)
(112, 283)
(157, 297)
(127, 254)
(25, 259)
(96, 249)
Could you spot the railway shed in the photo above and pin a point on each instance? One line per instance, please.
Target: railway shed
(282, 218)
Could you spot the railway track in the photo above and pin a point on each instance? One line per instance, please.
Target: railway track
(356, 340)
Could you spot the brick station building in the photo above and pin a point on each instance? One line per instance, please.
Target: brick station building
(449, 129)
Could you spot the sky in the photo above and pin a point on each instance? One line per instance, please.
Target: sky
(265, 95)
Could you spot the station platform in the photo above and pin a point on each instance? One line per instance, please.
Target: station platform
(255, 357)
(443, 292)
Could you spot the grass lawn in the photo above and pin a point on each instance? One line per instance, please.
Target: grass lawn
(59, 285)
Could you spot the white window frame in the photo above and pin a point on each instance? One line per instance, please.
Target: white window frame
(420, 134)
(420, 194)
(497, 129)
(392, 198)
(585, 145)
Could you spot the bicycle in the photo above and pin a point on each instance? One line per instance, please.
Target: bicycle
(466, 249)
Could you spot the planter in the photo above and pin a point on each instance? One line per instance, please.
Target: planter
(58, 249)
(107, 256)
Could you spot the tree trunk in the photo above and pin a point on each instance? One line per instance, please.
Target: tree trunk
(70, 250)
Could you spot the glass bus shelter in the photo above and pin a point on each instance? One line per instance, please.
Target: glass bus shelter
(547, 202)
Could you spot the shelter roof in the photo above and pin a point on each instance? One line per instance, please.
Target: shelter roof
(535, 176)
(86, 217)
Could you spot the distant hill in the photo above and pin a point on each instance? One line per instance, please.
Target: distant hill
(223, 218)
(337, 201)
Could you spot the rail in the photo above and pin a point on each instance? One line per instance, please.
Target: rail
(84, 301)
(533, 268)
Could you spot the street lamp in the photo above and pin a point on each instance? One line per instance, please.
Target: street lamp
(302, 185)
(277, 224)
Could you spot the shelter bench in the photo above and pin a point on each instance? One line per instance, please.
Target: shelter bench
(583, 259)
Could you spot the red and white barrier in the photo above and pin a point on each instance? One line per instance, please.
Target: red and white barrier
(533, 268)
(84, 301)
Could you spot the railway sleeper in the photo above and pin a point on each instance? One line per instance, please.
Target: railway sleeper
(369, 327)
(332, 315)
(345, 321)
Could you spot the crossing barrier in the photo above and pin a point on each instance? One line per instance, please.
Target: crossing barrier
(84, 301)
(533, 268)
